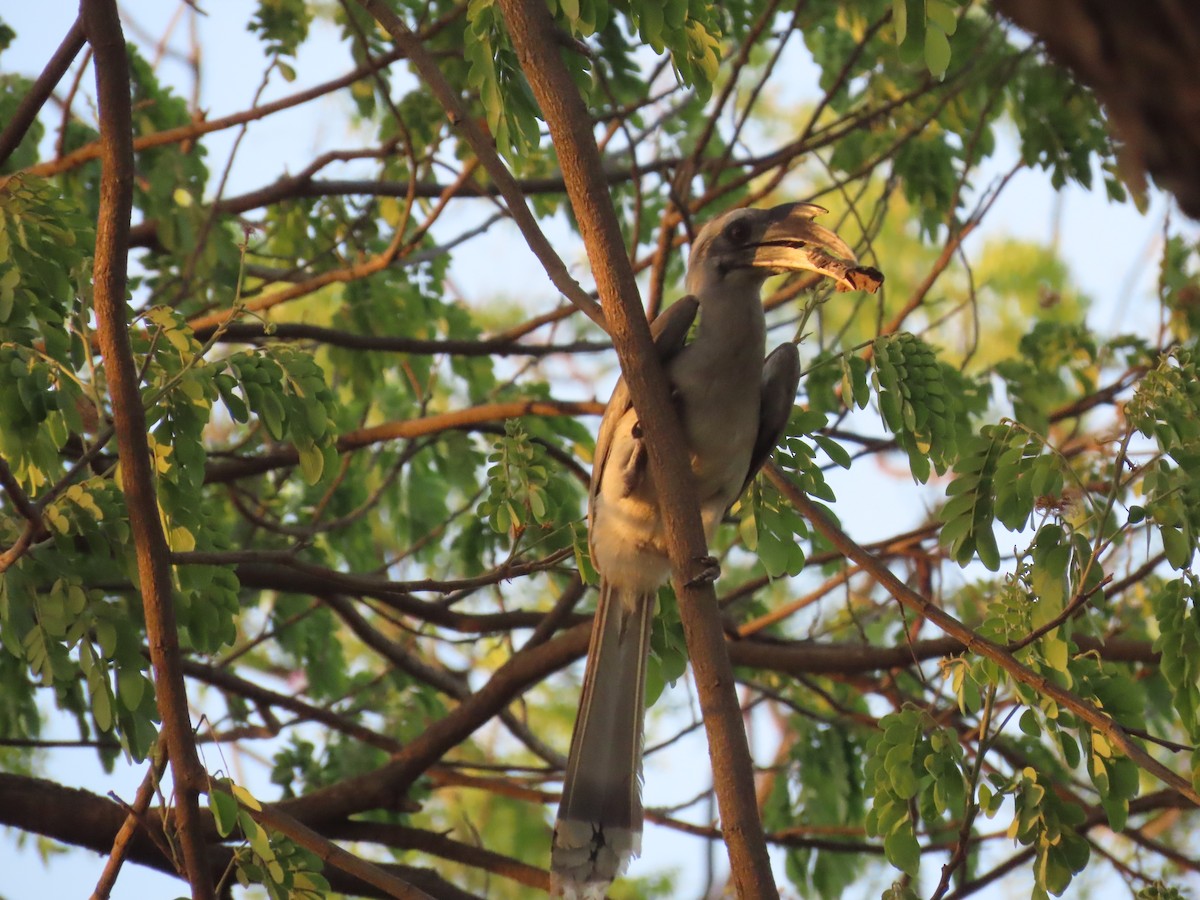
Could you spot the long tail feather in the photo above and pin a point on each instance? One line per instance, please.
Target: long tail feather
(599, 827)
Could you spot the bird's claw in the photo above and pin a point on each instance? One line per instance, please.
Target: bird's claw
(710, 572)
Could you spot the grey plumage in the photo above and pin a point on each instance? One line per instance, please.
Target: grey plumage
(734, 407)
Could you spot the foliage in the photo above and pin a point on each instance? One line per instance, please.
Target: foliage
(911, 761)
(372, 485)
(285, 869)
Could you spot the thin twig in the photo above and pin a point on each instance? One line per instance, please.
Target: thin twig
(1086, 711)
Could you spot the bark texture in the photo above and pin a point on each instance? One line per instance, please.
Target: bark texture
(1143, 62)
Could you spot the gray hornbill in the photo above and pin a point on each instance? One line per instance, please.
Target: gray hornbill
(733, 406)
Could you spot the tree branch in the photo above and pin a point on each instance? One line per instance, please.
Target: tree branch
(535, 40)
(26, 113)
(1141, 61)
(202, 127)
(233, 469)
(385, 787)
(129, 828)
(248, 332)
(485, 150)
(103, 28)
(333, 855)
(1089, 713)
(83, 819)
(407, 838)
(797, 658)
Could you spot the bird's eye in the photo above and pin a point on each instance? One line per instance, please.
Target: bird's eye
(738, 232)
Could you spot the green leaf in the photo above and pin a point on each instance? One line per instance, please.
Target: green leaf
(225, 811)
(1029, 723)
(1176, 546)
(312, 461)
(903, 851)
(259, 840)
(245, 798)
(942, 15)
(835, 451)
(271, 410)
(937, 52)
(651, 25)
(986, 549)
(131, 687)
(8, 282)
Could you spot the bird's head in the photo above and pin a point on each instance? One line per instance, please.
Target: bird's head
(745, 246)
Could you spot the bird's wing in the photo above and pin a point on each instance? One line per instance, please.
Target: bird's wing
(669, 332)
(781, 377)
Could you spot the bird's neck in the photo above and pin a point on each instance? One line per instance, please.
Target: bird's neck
(731, 318)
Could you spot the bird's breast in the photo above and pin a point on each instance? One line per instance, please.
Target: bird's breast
(719, 405)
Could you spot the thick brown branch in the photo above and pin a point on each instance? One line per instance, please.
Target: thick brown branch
(797, 658)
(83, 819)
(535, 40)
(386, 787)
(79, 818)
(1141, 60)
(103, 28)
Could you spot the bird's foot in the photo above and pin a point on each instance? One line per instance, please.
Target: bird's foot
(710, 572)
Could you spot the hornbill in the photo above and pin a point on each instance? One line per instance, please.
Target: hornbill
(733, 406)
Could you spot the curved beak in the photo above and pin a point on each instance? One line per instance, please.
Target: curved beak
(792, 241)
